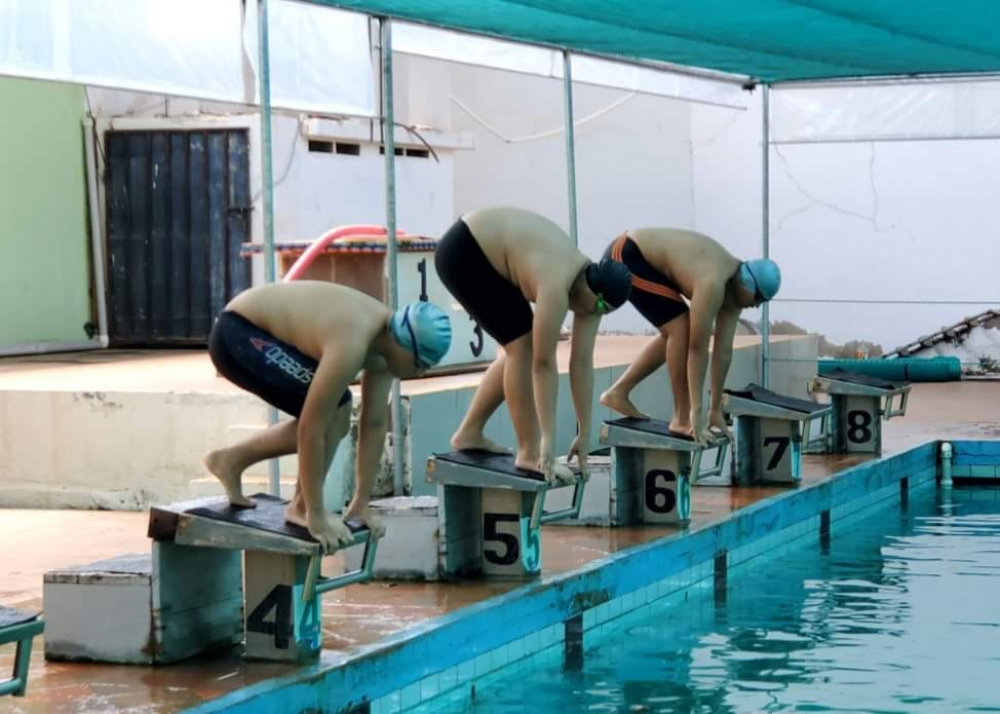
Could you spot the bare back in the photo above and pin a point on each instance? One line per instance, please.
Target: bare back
(692, 260)
(311, 315)
(529, 250)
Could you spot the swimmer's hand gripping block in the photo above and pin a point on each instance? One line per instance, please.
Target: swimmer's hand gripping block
(482, 469)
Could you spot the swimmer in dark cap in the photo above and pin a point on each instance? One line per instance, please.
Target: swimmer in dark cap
(495, 262)
(668, 266)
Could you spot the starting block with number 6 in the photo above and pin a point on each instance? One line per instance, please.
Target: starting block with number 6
(859, 403)
(490, 513)
(282, 568)
(771, 432)
(652, 471)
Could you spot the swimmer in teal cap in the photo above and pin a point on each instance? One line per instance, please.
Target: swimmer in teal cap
(298, 346)
(690, 289)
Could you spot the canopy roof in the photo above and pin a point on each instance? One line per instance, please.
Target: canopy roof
(769, 40)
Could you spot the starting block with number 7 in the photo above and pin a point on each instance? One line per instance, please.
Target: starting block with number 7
(490, 513)
(281, 563)
(859, 403)
(772, 431)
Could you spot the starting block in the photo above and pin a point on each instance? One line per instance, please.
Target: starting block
(652, 471)
(490, 513)
(282, 568)
(771, 432)
(859, 404)
(20, 627)
(152, 608)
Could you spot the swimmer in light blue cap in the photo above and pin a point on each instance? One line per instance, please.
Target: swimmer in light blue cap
(691, 289)
(299, 345)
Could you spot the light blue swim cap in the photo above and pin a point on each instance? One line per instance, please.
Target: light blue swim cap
(424, 329)
(762, 277)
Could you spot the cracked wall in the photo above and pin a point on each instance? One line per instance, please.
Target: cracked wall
(896, 237)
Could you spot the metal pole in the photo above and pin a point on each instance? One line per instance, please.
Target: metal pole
(765, 349)
(389, 141)
(570, 146)
(267, 190)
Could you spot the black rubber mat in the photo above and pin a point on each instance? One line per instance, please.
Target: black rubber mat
(9, 617)
(501, 463)
(855, 378)
(269, 515)
(649, 426)
(766, 396)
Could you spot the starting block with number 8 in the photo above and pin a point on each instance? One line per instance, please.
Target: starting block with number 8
(772, 431)
(281, 568)
(491, 513)
(859, 403)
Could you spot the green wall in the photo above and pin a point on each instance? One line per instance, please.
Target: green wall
(44, 240)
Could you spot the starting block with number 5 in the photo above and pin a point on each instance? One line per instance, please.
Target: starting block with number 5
(859, 404)
(772, 431)
(490, 513)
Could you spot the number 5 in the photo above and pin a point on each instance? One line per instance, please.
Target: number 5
(511, 550)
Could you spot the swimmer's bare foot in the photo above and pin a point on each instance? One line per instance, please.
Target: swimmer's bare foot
(296, 512)
(476, 442)
(677, 426)
(618, 402)
(221, 465)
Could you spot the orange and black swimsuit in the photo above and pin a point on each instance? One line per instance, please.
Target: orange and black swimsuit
(654, 295)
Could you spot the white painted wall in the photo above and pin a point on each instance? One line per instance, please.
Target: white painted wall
(908, 220)
(633, 164)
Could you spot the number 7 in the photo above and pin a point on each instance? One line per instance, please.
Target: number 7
(782, 443)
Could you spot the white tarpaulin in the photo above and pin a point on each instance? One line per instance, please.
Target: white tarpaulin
(320, 57)
(498, 54)
(906, 110)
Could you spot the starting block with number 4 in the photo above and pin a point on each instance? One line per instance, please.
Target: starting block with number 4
(282, 568)
(859, 404)
(771, 432)
(490, 513)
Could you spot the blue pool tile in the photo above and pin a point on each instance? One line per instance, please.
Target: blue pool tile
(466, 671)
(410, 696)
(483, 664)
(516, 648)
(449, 679)
(430, 687)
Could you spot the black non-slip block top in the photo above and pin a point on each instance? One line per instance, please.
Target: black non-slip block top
(501, 463)
(269, 515)
(766, 396)
(855, 378)
(10, 616)
(649, 426)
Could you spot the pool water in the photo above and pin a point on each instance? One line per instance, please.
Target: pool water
(898, 612)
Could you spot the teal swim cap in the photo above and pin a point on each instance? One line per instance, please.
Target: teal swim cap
(762, 277)
(424, 329)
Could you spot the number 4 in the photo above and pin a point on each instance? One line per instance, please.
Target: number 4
(279, 600)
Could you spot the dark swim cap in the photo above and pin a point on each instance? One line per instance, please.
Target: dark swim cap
(610, 280)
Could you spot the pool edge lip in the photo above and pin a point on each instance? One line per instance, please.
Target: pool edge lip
(567, 592)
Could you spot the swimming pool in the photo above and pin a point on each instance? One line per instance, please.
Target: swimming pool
(897, 612)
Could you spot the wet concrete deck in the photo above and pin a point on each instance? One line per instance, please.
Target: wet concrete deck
(36, 541)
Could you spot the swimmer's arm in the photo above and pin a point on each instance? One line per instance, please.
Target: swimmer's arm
(373, 423)
(581, 373)
(550, 311)
(704, 307)
(722, 354)
(336, 370)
